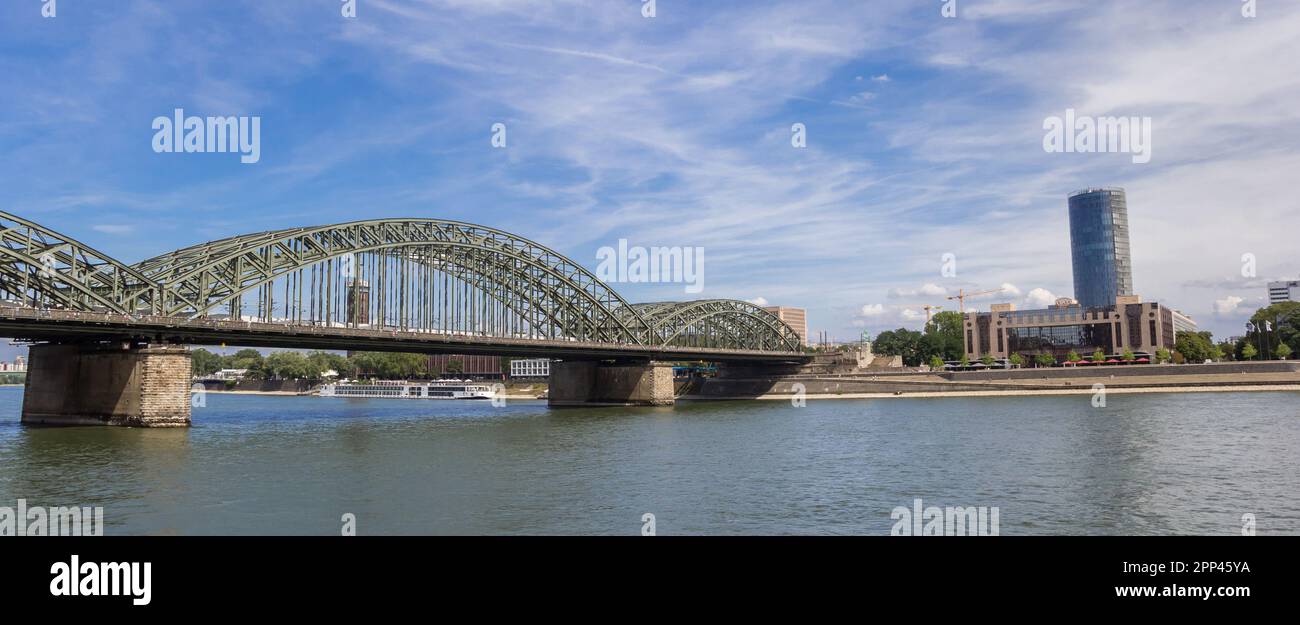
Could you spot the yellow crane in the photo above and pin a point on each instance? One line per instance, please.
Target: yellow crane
(927, 308)
(962, 295)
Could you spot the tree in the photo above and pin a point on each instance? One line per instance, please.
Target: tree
(455, 365)
(389, 366)
(1017, 360)
(250, 359)
(1163, 355)
(1283, 351)
(1195, 346)
(204, 362)
(946, 335)
(1284, 318)
(1227, 350)
(902, 342)
(987, 360)
(936, 363)
(1045, 359)
(1128, 356)
(1248, 352)
(965, 362)
(1073, 356)
(1098, 356)
(288, 366)
(325, 361)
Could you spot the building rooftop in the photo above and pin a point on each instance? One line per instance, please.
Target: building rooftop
(1096, 189)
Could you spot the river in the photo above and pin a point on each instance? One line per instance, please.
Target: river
(1143, 464)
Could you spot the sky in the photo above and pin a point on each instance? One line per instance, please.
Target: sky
(923, 136)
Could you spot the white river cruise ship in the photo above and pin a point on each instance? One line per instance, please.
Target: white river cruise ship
(438, 389)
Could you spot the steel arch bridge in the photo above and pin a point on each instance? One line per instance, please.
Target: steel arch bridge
(410, 275)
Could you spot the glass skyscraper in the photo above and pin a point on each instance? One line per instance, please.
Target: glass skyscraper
(1103, 266)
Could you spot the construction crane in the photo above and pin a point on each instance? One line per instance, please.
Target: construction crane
(927, 308)
(962, 295)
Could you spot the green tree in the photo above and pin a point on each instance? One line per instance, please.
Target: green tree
(1098, 356)
(1073, 356)
(936, 363)
(288, 366)
(1284, 318)
(1248, 352)
(947, 334)
(1195, 346)
(1017, 360)
(1227, 350)
(987, 360)
(205, 362)
(388, 365)
(1045, 359)
(325, 361)
(1128, 356)
(1163, 355)
(909, 344)
(1283, 351)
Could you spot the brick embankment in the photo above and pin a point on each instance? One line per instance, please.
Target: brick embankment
(1191, 378)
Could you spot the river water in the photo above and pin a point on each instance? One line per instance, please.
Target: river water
(1143, 464)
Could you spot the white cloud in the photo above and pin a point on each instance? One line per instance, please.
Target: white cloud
(112, 228)
(758, 301)
(881, 78)
(1039, 298)
(1227, 306)
(928, 289)
(912, 315)
(872, 310)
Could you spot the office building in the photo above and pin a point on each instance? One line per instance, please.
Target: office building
(1284, 291)
(796, 318)
(1128, 324)
(358, 294)
(530, 368)
(1183, 323)
(1099, 246)
(474, 367)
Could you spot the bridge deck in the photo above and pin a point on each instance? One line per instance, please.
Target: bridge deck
(63, 325)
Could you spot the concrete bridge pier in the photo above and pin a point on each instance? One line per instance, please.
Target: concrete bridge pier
(592, 383)
(108, 384)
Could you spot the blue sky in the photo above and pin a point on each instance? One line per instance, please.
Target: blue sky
(924, 135)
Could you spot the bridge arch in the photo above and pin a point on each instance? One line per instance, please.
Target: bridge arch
(408, 274)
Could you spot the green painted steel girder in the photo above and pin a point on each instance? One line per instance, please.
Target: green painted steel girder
(557, 296)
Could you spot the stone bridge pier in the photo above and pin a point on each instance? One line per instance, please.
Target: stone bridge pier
(593, 383)
(119, 383)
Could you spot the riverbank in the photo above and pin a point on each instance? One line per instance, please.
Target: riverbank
(510, 397)
(1003, 383)
(1295, 388)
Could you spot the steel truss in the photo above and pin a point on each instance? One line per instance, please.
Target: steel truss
(408, 274)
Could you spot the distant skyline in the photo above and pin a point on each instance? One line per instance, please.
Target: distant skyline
(924, 137)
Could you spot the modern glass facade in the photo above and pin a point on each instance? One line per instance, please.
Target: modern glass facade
(1061, 340)
(1099, 247)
